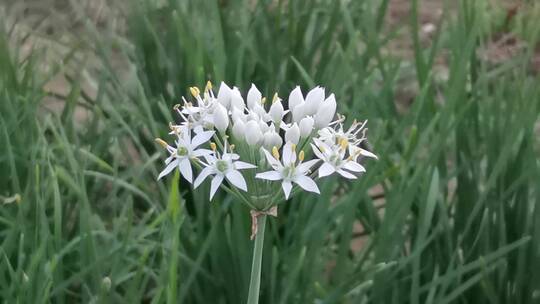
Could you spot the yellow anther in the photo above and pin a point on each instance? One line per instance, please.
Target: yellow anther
(208, 85)
(293, 147)
(17, 198)
(213, 146)
(275, 152)
(195, 91)
(161, 142)
(322, 149)
(176, 106)
(263, 100)
(275, 98)
(343, 143)
(232, 147)
(301, 155)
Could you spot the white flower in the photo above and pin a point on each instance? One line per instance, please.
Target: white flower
(306, 126)
(354, 136)
(292, 134)
(221, 118)
(326, 112)
(289, 172)
(335, 159)
(186, 149)
(225, 167)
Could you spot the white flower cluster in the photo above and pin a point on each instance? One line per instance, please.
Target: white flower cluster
(266, 135)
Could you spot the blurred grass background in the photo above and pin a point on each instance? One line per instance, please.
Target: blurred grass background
(448, 214)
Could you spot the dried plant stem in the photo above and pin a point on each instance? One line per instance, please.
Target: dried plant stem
(255, 281)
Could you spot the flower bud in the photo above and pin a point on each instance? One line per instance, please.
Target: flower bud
(253, 97)
(272, 139)
(292, 134)
(263, 126)
(224, 95)
(276, 111)
(306, 126)
(239, 129)
(276, 140)
(237, 102)
(326, 112)
(295, 98)
(221, 118)
(257, 108)
(106, 283)
(253, 133)
(314, 99)
(237, 114)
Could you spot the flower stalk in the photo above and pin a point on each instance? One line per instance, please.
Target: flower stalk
(255, 281)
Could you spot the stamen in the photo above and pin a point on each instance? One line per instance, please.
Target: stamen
(213, 146)
(263, 100)
(275, 152)
(275, 98)
(195, 91)
(161, 142)
(293, 147)
(343, 143)
(208, 85)
(301, 156)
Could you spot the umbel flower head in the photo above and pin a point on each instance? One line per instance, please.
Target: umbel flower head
(263, 151)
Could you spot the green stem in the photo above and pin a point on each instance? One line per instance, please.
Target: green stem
(255, 282)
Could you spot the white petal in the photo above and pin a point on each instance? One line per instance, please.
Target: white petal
(224, 95)
(201, 152)
(236, 178)
(185, 170)
(238, 129)
(202, 176)
(239, 165)
(314, 99)
(354, 166)
(253, 133)
(295, 98)
(366, 153)
(254, 96)
(201, 138)
(221, 118)
(346, 174)
(326, 112)
(326, 169)
(287, 186)
(271, 160)
(306, 126)
(237, 102)
(216, 182)
(269, 175)
(303, 167)
(317, 152)
(168, 169)
(289, 155)
(276, 111)
(307, 184)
